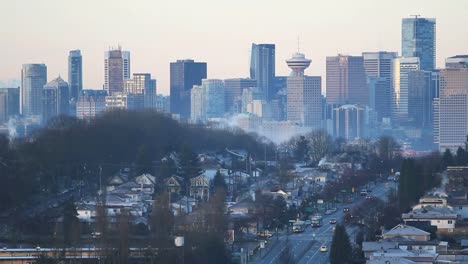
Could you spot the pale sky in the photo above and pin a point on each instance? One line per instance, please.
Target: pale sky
(218, 32)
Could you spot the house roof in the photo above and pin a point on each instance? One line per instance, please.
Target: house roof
(380, 245)
(390, 260)
(405, 230)
(464, 242)
(430, 212)
(458, 202)
(146, 178)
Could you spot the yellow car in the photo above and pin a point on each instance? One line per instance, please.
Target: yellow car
(323, 249)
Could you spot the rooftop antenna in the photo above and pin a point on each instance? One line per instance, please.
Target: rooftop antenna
(415, 16)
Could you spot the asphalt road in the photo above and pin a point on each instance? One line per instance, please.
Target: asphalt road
(305, 247)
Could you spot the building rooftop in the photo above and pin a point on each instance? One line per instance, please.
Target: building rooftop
(405, 230)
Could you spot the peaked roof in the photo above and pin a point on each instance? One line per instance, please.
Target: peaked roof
(405, 230)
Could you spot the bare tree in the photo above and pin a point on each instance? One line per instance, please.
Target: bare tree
(321, 143)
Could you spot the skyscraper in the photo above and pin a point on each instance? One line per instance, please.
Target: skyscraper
(400, 69)
(184, 75)
(420, 98)
(75, 74)
(142, 84)
(9, 103)
(33, 79)
(451, 119)
(116, 70)
(378, 67)
(55, 99)
(233, 93)
(262, 69)
(346, 80)
(196, 104)
(304, 103)
(418, 39)
(208, 100)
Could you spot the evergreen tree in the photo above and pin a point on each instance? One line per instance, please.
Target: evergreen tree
(189, 162)
(219, 182)
(408, 189)
(340, 251)
(70, 223)
(301, 149)
(162, 220)
(461, 156)
(144, 163)
(447, 159)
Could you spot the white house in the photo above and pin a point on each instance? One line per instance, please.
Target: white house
(441, 217)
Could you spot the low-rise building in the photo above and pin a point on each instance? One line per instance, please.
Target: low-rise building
(441, 217)
(200, 188)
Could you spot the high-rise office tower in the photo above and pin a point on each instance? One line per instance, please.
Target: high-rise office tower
(33, 79)
(452, 113)
(9, 103)
(90, 103)
(420, 98)
(55, 99)
(75, 74)
(184, 75)
(141, 84)
(418, 39)
(304, 103)
(349, 122)
(213, 97)
(378, 67)
(233, 93)
(346, 80)
(207, 100)
(116, 70)
(262, 69)
(400, 69)
(196, 104)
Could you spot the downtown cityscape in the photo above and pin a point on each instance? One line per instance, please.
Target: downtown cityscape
(365, 163)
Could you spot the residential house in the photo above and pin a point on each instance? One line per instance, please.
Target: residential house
(173, 184)
(200, 188)
(441, 217)
(86, 212)
(460, 207)
(146, 179)
(407, 231)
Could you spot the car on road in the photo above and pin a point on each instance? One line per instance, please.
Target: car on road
(332, 221)
(369, 197)
(363, 192)
(323, 249)
(346, 210)
(264, 234)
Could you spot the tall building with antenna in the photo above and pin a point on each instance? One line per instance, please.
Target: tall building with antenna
(418, 39)
(116, 70)
(304, 96)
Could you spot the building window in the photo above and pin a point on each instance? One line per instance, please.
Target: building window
(449, 221)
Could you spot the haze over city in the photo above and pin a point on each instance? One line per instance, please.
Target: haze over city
(217, 32)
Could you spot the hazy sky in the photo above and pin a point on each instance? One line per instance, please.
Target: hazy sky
(218, 32)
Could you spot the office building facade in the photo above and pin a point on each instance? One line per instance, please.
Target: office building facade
(33, 79)
(304, 97)
(418, 39)
(184, 74)
(142, 84)
(233, 93)
(116, 70)
(452, 113)
(400, 69)
(9, 103)
(55, 99)
(349, 122)
(262, 69)
(75, 74)
(346, 80)
(90, 104)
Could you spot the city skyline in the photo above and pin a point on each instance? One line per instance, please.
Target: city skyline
(319, 32)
